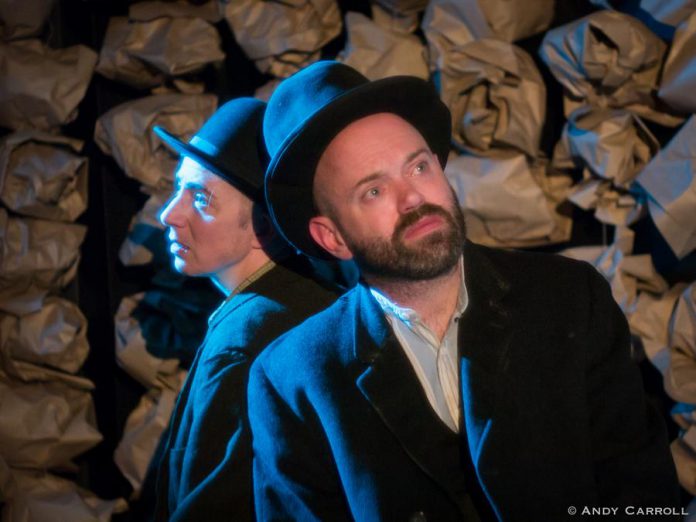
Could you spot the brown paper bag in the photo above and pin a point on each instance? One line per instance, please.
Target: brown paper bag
(54, 336)
(46, 84)
(283, 37)
(41, 176)
(377, 52)
(36, 257)
(497, 98)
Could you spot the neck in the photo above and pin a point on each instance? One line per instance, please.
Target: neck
(228, 279)
(434, 300)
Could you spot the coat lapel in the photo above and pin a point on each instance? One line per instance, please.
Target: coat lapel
(390, 384)
(485, 335)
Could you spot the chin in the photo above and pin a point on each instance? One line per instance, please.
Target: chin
(184, 268)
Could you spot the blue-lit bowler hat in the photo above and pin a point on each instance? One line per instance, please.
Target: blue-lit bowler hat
(229, 144)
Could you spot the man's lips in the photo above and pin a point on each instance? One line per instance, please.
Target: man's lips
(177, 248)
(423, 226)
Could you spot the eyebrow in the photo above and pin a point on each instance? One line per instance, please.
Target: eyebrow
(376, 175)
(191, 185)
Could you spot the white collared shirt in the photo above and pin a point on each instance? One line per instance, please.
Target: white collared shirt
(434, 362)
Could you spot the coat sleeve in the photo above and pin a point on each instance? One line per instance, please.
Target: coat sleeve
(295, 477)
(633, 464)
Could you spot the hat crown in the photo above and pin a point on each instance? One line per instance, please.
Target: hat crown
(229, 144)
(231, 135)
(301, 96)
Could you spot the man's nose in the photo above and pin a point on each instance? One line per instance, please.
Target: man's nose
(410, 198)
(172, 215)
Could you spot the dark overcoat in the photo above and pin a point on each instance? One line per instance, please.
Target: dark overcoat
(553, 408)
(205, 468)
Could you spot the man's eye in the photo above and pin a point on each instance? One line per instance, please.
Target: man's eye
(372, 193)
(201, 200)
(421, 167)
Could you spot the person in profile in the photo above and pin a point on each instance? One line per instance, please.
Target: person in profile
(455, 382)
(217, 227)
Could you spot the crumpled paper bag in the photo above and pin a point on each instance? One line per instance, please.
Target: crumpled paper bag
(452, 23)
(142, 432)
(209, 11)
(146, 241)
(611, 205)
(131, 350)
(42, 87)
(31, 496)
(54, 336)
(607, 59)
(669, 182)
(144, 54)
(23, 18)
(496, 96)
(657, 12)
(680, 378)
(505, 203)
(377, 52)
(611, 144)
(627, 274)
(678, 82)
(36, 256)
(650, 321)
(125, 132)
(283, 37)
(685, 464)
(44, 424)
(42, 176)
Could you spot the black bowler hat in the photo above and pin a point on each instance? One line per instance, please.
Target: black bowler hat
(310, 108)
(230, 145)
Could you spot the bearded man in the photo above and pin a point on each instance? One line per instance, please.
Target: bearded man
(455, 382)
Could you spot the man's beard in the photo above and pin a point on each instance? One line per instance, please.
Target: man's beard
(425, 258)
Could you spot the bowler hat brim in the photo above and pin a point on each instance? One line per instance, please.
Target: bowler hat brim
(211, 163)
(290, 175)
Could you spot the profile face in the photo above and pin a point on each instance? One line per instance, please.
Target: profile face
(386, 202)
(209, 222)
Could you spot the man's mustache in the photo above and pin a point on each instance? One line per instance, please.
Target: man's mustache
(412, 217)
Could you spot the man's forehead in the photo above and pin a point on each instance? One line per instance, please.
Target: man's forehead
(190, 171)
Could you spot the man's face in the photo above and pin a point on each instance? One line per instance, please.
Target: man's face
(209, 222)
(386, 202)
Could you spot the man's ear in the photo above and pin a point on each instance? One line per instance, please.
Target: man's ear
(323, 230)
(264, 231)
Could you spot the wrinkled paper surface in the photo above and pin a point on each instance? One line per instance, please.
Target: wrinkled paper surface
(669, 181)
(55, 335)
(505, 203)
(42, 176)
(496, 96)
(42, 87)
(143, 54)
(36, 256)
(378, 53)
(283, 37)
(608, 59)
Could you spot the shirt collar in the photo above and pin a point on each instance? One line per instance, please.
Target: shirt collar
(255, 276)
